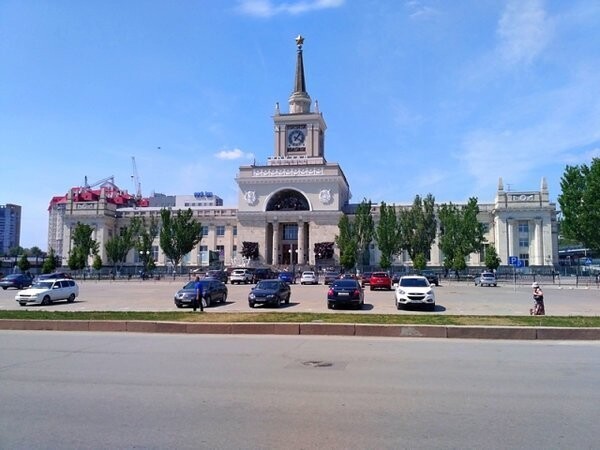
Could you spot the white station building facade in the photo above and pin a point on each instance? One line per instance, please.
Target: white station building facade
(289, 207)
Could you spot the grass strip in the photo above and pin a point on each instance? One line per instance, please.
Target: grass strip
(270, 317)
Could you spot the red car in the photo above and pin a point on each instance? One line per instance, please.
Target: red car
(380, 280)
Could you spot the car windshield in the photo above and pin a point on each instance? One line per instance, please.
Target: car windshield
(286, 274)
(413, 282)
(380, 275)
(308, 274)
(43, 285)
(192, 284)
(345, 284)
(487, 275)
(11, 277)
(267, 285)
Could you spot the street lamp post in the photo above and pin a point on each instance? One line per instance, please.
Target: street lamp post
(291, 250)
(144, 255)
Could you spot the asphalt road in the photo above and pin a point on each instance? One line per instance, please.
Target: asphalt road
(451, 298)
(73, 390)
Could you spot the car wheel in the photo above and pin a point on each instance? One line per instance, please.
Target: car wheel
(4, 287)
(224, 298)
(398, 306)
(179, 305)
(432, 307)
(208, 301)
(287, 300)
(371, 288)
(278, 302)
(329, 305)
(251, 304)
(71, 298)
(22, 303)
(46, 300)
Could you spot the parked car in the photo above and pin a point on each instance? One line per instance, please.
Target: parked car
(330, 276)
(345, 292)
(396, 277)
(16, 280)
(44, 292)
(414, 290)
(213, 291)
(486, 279)
(309, 277)
(365, 278)
(264, 273)
(240, 276)
(380, 280)
(273, 292)
(431, 276)
(53, 276)
(287, 276)
(220, 275)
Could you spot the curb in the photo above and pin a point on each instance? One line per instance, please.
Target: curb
(310, 329)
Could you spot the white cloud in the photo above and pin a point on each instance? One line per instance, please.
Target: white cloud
(417, 10)
(523, 30)
(270, 8)
(233, 154)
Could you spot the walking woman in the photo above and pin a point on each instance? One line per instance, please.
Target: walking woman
(538, 301)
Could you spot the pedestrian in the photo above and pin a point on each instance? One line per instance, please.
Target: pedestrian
(538, 301)
(197, 301)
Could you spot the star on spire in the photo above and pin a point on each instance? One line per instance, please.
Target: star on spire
(299, 41)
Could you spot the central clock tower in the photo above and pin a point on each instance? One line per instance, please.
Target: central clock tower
(301, 132)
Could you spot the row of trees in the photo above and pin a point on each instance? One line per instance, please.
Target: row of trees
(414, 230)
(178, 234)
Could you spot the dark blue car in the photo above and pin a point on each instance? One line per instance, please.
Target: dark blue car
(288, 277)
(272, 292)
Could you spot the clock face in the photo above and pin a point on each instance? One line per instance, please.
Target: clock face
(296, 138)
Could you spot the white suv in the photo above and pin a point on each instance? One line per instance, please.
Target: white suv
(44, 292)
(414, 290)
(240, 276)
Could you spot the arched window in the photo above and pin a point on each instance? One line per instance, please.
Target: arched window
(288, 200)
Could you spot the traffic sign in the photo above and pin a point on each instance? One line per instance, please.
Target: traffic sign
(513, 260)
(520, 263)
(588, 261)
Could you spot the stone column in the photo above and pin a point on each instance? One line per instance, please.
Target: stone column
(275, 252)
(301, 248)
(539, 252)
(511, 237)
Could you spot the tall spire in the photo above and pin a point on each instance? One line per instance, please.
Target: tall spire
(299, 101)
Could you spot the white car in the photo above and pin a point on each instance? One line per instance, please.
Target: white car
(486, 279)
(414, 290)
(309, 277)
(240, 276)
(44, 292)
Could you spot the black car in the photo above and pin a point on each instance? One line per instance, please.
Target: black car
(53, 276)
(264, 273)
(212, 291)
(272, 292)
(16, 280)
(431, 277)
(345, 292)
(220, 275)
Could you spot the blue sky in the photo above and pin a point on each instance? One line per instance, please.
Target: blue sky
(419, 96)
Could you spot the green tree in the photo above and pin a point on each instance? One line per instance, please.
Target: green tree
(419, 261)
(580, 204)
(364, 230)
(118, 246)
(492, 260)
(15, 251)
(83, 246)
(417, 229)
(146, 233)
(461, 233)
(346, 242)
(97, 264)
(49, 264)
(24, 264)
(179, 234)
(37, 253)
(386, 235)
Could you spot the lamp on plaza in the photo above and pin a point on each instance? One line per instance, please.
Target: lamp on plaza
(292, 259)
(144, 256)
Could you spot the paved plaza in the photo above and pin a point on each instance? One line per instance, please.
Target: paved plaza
(452, 297)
